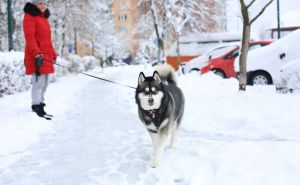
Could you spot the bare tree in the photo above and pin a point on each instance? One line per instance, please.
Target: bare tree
(3, 21)
(247, 22)
(158, 35)
(172, 18)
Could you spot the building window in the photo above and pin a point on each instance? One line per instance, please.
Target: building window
(123, 17)
(123, 29)
(123, 5)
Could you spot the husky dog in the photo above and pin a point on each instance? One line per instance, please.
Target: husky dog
(160, 106)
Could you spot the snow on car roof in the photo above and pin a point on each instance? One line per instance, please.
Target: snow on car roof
(192, 49)
(211, 37)
(289, 45)
(198, 44)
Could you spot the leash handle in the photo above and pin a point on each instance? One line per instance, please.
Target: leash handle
(39, 61)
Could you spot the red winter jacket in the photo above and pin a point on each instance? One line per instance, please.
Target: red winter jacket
(37, 33)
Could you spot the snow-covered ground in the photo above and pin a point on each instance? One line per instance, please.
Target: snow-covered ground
(227, 137)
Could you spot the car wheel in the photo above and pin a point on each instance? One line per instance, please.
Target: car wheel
(260, 78)
(219, 73)
(194, 70)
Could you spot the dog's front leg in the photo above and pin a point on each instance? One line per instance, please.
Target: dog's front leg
(173, 136)
(159, 142)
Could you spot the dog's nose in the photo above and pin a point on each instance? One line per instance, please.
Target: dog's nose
(151, 100)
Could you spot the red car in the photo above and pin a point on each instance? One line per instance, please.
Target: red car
(224, 65)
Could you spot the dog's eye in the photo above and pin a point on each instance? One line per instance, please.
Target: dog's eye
(154, 90)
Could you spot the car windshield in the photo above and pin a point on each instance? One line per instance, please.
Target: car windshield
(251, 47)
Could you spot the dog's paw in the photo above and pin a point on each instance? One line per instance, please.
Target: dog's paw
(155, 164)
(171, 146)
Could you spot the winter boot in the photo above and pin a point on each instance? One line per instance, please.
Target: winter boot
(43, 105)
(38, 109)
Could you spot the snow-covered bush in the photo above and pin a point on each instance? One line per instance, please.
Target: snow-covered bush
(12, 71)
(90, 62)
(76, 64)
(60, 71)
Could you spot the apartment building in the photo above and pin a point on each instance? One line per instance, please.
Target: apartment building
(125, 14)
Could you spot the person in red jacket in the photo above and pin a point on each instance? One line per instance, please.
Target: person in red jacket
(40, 54)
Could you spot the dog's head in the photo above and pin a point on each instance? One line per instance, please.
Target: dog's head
(150, 91)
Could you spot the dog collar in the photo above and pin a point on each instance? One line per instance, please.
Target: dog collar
(152, 113)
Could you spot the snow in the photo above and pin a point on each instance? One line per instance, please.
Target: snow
(227, 137)
(190, 49)
(290, 75)
(7, 57)
(212, 37)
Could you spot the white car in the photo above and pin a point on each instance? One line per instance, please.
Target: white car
(264, 64)
(197, 63)
(290, 76)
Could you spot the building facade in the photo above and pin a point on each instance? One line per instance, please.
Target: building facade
(125, 15)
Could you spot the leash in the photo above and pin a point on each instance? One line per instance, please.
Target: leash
(99, 78)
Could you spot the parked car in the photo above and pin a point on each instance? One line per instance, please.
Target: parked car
(224, 65)
(197, 63)
(195, 45)
(290, 76)
(264, 64)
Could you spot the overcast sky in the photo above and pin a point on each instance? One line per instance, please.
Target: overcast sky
(268, 19)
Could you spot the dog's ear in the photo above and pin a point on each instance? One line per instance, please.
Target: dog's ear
(141, 78)
(156, 77)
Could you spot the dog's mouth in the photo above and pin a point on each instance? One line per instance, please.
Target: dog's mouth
(151, 104)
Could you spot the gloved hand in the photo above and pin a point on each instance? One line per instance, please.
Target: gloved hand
(39, 55)
(39, 60)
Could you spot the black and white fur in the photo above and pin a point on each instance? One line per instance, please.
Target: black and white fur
(160, 105)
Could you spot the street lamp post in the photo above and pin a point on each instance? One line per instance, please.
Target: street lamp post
(75, 40)
(278, 20)
(10, 26)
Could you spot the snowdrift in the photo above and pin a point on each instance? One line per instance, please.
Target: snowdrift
(12, 71)
(290, 75)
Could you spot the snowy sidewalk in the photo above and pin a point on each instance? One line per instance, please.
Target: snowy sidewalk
(97, 138)
(88, 143)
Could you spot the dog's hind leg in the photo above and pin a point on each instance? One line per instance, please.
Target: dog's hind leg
(174, 131)
(159, 143)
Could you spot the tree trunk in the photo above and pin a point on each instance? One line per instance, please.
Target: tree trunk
(159, 40)
(63, 38)
(246, 39)
(243, 57)
(55, 37)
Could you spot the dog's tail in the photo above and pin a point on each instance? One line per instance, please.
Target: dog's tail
(167, 74)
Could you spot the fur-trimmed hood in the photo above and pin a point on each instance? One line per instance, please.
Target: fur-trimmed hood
(34, 11)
